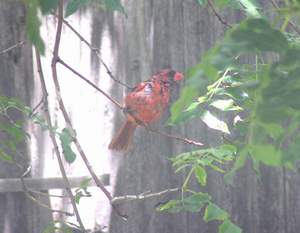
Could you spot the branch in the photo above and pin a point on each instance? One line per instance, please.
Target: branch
(185, 140)
(142, 196)
(32, 198)
(211, 5)
(292, 25)
(28, 195)
(19, 44)
(66, 116)
(90, 83)
(48, 117)
(95, 50)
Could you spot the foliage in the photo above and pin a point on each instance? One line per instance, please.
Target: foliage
(33, 7)
(82, 190)
(197, 162)
(252, 80)
(14, 133)
(66, 140)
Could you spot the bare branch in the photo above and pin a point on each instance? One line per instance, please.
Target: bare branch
(28, 195)
(142, 196)
(292, 25)
(212, 7)
(12, 47)
(67, 118)
(48, 118)
(185, 140)
(33, 199)
(90, 83)
(95, 50)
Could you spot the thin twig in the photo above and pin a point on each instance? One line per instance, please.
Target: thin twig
(292, 25)
(55, 60)
(48, 117)
(185, 140)
(31, 197)
(142, 196)
(95, 50)
(12, 47)
(211, 5)
(37, 106)
(39, 193)
(90, 83)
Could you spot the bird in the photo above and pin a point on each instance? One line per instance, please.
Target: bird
(145, 104)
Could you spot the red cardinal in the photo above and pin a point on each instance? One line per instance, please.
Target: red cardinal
(145, 104)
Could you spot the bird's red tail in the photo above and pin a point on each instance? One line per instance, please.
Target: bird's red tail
(123, 139)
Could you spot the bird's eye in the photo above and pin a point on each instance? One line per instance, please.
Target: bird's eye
(148, 88)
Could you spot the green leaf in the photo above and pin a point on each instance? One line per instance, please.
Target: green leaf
(192, 106)
(224, 152)
(200, 174)
(14, 132)
(85, 183)
(188, 94)
(214, 123)
(48, 5)
(213, 212)
(33, 25)
(228, 227)
(274, 130)
(256, 35)
(115, 5)
(171, 206)
(292, 153)
(78, 196)
(265, 153)
(75, 5)
(250, 8)
(239, 163)
(66, 140)
(193, 203)
(202, 99)
(224, 3)
(225, 105)
(4, 156)
(202, 2)
(216, 168)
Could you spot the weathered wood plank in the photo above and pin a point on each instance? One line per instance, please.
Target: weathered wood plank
(15, 184)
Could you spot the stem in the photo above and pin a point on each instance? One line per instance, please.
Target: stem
(290, 23)
(211, 5)
(67, 119)
(48, 117)
(90, 83)
(187, 179)
(95, 50)
(12, 47)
